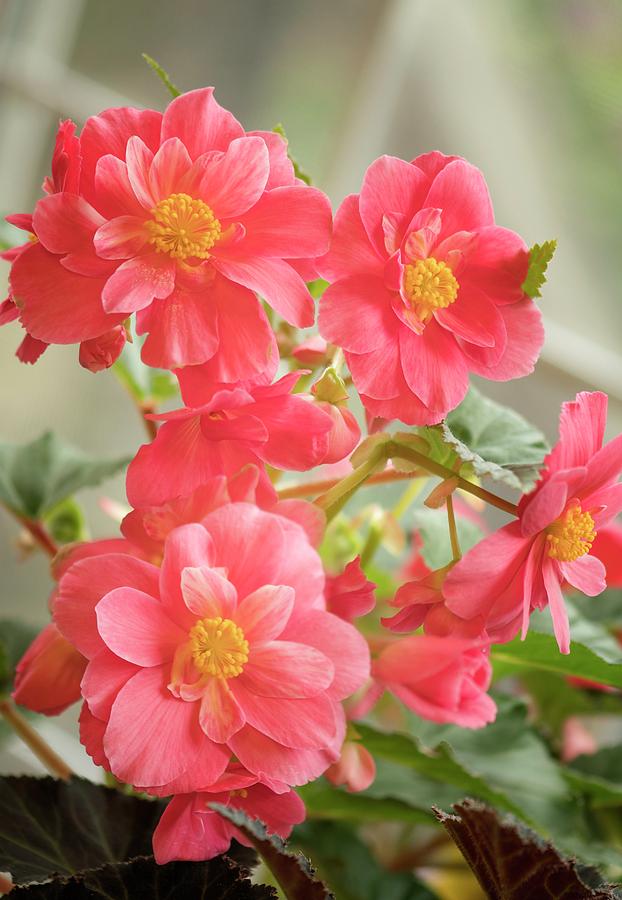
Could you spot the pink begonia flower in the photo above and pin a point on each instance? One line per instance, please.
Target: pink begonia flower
(522, 566)
(443, 679)
(355, 769)
(349, 594)
(180, 218)
(236, 427)
(227, 649)
(426, 289)
(47, 677)
(190, 829)
(608, 548)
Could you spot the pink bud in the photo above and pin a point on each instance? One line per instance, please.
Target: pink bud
(100, 352)
(48, 675)
(576, 740)
(344, 434)
(355, 768)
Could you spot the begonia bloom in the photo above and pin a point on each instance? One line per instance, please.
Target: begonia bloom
(426, 289)
(522, 566)
(350, 594)
(48, 676)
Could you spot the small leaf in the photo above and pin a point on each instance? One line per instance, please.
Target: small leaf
(293, 872)
(433, 530)
(350, 866)
(35, 477)
(15, 638)
(511, 862)
(218, 879)
(323, 800)
(162, 75)
(492, 440)
(298, 170)
(540, 255)
(52, 827)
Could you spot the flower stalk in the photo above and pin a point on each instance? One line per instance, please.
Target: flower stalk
(35, 743)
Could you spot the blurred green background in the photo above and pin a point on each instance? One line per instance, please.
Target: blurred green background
(529, 90)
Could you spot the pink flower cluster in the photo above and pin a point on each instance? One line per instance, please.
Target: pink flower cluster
(211, 652)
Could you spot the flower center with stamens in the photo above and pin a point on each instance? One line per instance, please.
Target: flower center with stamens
(571, 536)
(429, 284)
(183, 227)
(218, 647)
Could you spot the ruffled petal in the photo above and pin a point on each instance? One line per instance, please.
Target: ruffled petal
(356, 314)
(264, 614)
(233, 181)
(290, 222)
(182, 330)
(393, 186)
(137, 282)
(434, 367)
(460, 191)
(207, 593)
(200, 122)
(137, 628)
(286, 669)
(351, 252)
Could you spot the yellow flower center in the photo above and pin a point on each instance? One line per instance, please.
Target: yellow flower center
(429, 284)
(571, 536)
(183, 227)
(218, 647)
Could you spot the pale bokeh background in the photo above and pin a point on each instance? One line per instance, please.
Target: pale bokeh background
(529, 91)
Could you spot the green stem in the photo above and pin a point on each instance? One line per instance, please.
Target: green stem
(372, 541)
(453, 531)
(336, 497)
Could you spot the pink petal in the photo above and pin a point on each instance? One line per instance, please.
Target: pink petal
(281, 167)
(307, 724)
(92, 736)
(390, 186)
(275, 281)
(58, 306)
(559, 614)
(407, 408)
(351, 252)
(498, 263)
(188, 830)
(263, 615)
(525, 337)
(532, 573)
(290, 415)
(183, 330)
(120, 238)
(461, 192)
(30, 350)
(83, 586)
(547, 503)
(434, 367)
(137, 282)
(138, 158)
(286, 669)
(233, 181)
(310, 518)
(200, 122)
(290, 221)
(221, 716)
(136, 627)
(104, 677)
(115, 196)
(152, 737)
(603, 468)
(581, 430)
(207, 593)
(8, 312)
(378, 373)
(356, 314)
(269, 759)
(476, 319)
(168, 168)
(208, 767)
(65, 224)
(279, 811)
(587, 574)
(188, 546)
(47, 677)
(605, 505)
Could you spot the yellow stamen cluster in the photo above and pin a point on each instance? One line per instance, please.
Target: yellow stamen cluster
(571, 536)
(218, 647)
(429, 284)
(183, 227)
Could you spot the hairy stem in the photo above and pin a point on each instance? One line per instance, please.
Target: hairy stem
(309, 488)
(453, 531)
(38, 532)
(44, 753)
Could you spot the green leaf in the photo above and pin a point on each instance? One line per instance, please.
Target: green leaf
(35, 477)
(540, 256)
(293, 872)
(15, 638)
(146, 384)
(323, 800)
(491, 440)
(606, 609)
(218, 879)
(66, 522)
(349, 865)
(298, 170)
(162, 75)
(594, 654)
(52, 827)
(433, 530)
(512, 863)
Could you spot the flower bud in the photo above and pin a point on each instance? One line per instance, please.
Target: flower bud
(101, 352)
(355, 767)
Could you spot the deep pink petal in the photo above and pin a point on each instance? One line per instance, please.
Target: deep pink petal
(115, 195)
(525, 337)
(188, 830)
(557, 606)
(183, 330)
(200, 122)
(603, 468)
(476, 319)
(168, 168)
(47, 677)
(378, 373)
(351, 252)
(392, 186)
(547, 503)
(281, 167)
(285, 417)
(65, 224)
(287, 669)
(137, 282)
(434, 367)
(356, 314)
(233, 181)
(104, 677)
(264, 614)
(587, 574)
(207, 593)
(137, 628)
(92, 736)
(460, 191)
(152, 737)
(582, 424)
(497, 263)
(287, 222)
(269, 759)
(138, 158)
(221, 716)
(121, 238)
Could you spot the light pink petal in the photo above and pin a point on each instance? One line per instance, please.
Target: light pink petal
(392, 186)
(287, 222)
(275, 281)
(200, 122)
(83, 586)
(378, 373)
(582, 424)
(188, 546)
(603, 468)
(168, 168)
(340, 642)
(207, 593)
(104, 677)
(115, 196)
(434, 367)
(92, 736)
(58, 306)
(152, 737)
(188, 830)
(286, 669)
(66, 223)
(138, 158)
(221, 716)
(460, 191)
(356, 314)
(233, 181)
(476, 319)
(269, 759)
(525, 337)
(587, 574)
(209, 765)
(183, 330)
(307, 724)
(351, 252)
(264, 614)
(136, 627)
(497, 263)
(137, 282)
(121, 238)
(547, 503)
(559, 613)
